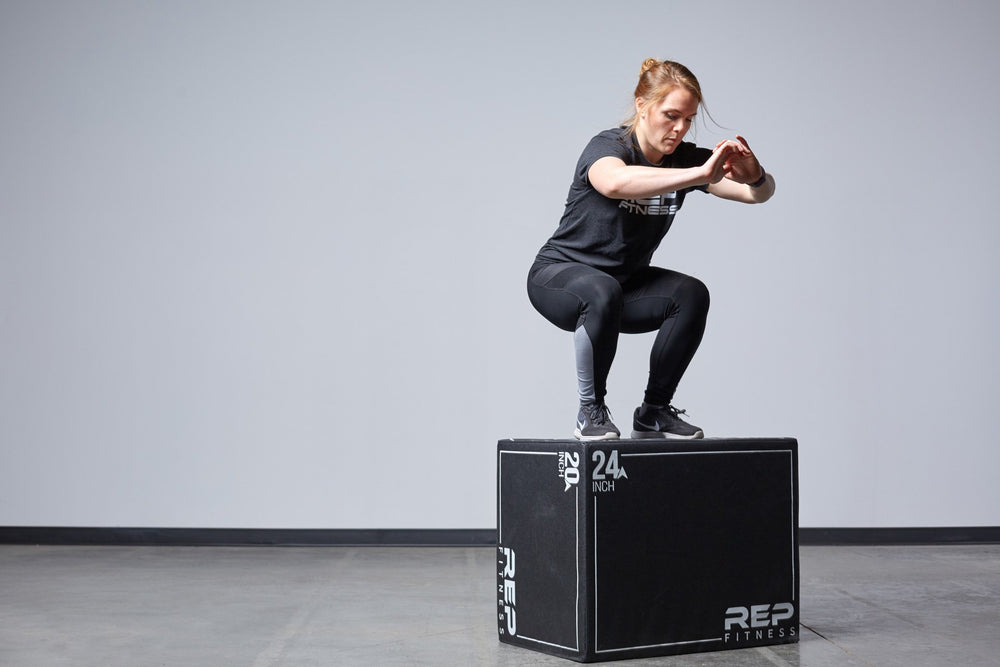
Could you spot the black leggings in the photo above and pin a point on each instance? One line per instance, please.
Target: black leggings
(596, 307)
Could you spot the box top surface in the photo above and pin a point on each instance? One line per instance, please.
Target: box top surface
(661, 445)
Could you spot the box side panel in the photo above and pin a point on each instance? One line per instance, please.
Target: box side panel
(538, 547)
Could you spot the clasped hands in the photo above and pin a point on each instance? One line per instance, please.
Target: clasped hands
(734, 160)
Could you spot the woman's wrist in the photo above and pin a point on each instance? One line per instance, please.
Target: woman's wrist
(760, 181)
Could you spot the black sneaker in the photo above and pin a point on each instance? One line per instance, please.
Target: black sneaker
(653, 421)
(594, 423)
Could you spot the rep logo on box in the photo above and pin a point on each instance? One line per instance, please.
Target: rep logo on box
(507, 589)
(759, 622)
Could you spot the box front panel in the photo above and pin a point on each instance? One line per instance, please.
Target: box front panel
(539, 548)
(694, 551)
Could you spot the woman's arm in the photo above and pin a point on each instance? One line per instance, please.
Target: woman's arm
(742, 192)
(613, 178)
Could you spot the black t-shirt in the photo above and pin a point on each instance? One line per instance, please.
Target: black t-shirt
(614, 235)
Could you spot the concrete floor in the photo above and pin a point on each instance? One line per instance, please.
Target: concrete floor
(259, 606)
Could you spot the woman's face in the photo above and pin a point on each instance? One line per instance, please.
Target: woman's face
(662, 125)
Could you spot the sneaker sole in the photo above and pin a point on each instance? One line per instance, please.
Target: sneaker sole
(660, 435)
(606, 436)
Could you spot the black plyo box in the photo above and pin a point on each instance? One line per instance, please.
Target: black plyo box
(621, 549)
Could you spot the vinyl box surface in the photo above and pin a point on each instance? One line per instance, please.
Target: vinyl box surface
(630, 548)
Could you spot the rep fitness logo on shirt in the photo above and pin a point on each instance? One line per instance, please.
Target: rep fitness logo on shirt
(665, 204)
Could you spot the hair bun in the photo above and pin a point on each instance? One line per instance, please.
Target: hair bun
(648, 64)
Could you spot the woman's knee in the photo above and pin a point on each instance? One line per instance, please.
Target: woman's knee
(695, 295)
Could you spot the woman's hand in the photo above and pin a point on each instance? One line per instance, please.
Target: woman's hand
(740, 168)
(717, 166)
(742, 165)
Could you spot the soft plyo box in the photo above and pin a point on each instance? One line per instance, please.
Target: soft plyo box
(630, 548)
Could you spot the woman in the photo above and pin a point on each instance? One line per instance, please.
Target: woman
(593, 277)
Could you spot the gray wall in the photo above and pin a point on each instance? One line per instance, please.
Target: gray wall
(262, 264)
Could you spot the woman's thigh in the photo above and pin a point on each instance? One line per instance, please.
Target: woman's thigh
(654, 294)
(568, 294)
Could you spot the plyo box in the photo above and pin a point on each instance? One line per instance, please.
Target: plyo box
(634, 548)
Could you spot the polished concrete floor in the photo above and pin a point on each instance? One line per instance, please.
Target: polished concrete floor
(256, 606)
